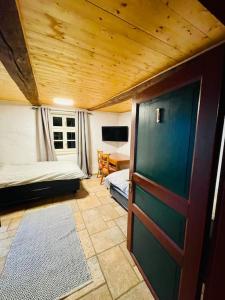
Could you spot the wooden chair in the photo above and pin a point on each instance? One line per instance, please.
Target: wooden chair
(99, 156)
(106, 167)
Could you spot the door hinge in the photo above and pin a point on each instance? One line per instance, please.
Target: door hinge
(130, 182)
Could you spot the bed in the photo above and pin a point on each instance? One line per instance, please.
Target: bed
(20, 183)
(118, 185)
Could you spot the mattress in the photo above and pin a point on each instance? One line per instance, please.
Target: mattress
(22, 174)
(119, 180)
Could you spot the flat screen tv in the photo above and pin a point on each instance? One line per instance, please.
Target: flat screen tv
(115, 133)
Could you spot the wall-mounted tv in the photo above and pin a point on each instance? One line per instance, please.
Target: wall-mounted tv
(115, 133)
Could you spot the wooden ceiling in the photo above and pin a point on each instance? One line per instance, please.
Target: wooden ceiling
(119, 107)
(92, 50)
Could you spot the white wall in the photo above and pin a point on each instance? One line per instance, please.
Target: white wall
(99, 119)
(96, 121)
(17, 134)
(124, 119)
(19, 139)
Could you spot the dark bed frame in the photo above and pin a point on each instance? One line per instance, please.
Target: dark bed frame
(29, 193)
(123, 201)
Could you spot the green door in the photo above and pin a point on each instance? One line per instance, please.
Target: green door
(176, 129)
(165, 138)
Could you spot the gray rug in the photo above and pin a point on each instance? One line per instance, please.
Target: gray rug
(46, 260)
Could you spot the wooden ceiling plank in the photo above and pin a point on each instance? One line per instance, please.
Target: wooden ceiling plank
(165, 24)
(121, 107)
(39, 47)
(13, 51)
(110, 44)
(92, 50)
(130, 93)
(93, 21)
(198, 14)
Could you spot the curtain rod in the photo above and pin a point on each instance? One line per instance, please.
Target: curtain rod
(62, 110)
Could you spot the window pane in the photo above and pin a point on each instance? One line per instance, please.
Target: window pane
(58, 145)
(71, 144)
(57, 121)
(70, 122)
(70, 135)
(58, 135)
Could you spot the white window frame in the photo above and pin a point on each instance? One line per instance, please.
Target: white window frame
(64, 129)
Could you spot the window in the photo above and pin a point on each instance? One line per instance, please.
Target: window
(64, 133)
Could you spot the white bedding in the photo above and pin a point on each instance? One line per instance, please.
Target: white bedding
(120, 180)
(21, 174)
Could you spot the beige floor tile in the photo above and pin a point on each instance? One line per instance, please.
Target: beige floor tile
(95, 188)
(88, 203)
(140, 292)
(121, 211)
(7, 234)
(92, 194)
(94, 221)
(14, 224)
(106, 200)
(5, 222)
(97, 279)
(107, 239)
(118, 272)
(13, 215)
(123, 247)
(122, 223)
(78, 218)
(3, 229)
(92, 183)
(103, 192)
(102, 293)
(86, 243)
(111, 223)
(108, 212)
(4, 247)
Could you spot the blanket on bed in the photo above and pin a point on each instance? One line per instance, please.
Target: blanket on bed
(120, 180)
(21, 174)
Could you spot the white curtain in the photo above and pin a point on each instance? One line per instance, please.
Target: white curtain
(45, 136)
(83, 142)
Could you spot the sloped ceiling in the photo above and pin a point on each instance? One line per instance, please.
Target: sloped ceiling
(92, 50)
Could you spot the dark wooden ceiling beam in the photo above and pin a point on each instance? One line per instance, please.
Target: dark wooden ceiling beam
(13, 51)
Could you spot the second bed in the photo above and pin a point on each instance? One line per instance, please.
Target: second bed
(118, 184)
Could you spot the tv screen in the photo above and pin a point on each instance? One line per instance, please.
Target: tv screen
(115, 133)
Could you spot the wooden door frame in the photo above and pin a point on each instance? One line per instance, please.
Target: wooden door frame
(208, 69)
(214, 285)
(215, 274)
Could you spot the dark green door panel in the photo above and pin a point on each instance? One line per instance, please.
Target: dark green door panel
(164, 154)
(159, 267)
(165, 149)
(165, 217)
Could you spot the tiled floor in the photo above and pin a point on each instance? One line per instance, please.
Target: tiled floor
(101, 224)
